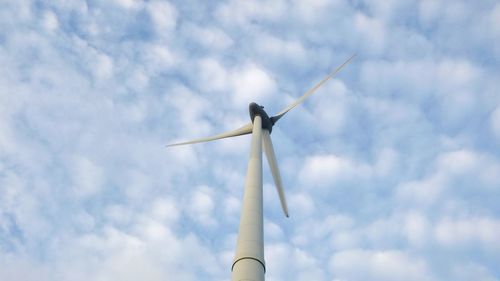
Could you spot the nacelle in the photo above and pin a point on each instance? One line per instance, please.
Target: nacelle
(254, 110)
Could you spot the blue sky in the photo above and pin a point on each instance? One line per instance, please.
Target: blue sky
(392, 169)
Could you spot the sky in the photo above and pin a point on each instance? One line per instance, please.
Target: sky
(391, 169)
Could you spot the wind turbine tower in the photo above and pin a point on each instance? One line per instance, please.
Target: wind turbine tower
(248, 263)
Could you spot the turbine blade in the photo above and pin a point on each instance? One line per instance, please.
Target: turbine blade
(247, 129)
(273, 164)
(311, 91)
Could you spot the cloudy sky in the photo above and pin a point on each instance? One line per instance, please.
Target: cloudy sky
(392, 169)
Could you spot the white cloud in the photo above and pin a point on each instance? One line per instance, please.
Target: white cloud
(164, 16)
(118, 214)
(330, 111)
(316, 11)
(465, 163)
(495, 122)
(387, 162)
(243, 12)
(429, 11)
(273, 232)
(85, 221)
(450, 171)
(159, 58)
(416, 228)
(301, 204)
(378, 265)
(128, 4)
(50, 21)
(190, 109)
(288, 263)
(23, 12)
(128, 256)
(432, 13)
(232, 207)
(470, 271)
(495, 19)
(139, 80)
(468, 232)
(334, 229)
(165, 210)
(279, 49)
(373, 34)
(213, 75)
(411, 75)
(88, 177)
(251, 83)
(456, 74)
(457, 162)
(391, 11)
(201, 206)
(104, 67)
(23, 269)
(423, 193)
(136, 185)
(325, 171)
(209, 37)
(450, 86)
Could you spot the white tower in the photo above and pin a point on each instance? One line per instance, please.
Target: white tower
(249, 262)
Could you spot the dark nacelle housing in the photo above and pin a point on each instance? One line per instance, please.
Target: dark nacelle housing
(255, 110)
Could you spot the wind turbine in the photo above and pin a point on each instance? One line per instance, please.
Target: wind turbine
(248, 264)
